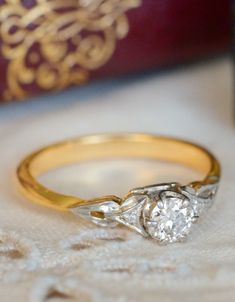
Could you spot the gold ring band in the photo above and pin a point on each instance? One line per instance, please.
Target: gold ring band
(109, 146)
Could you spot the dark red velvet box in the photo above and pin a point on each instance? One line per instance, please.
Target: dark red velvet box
(50, 45)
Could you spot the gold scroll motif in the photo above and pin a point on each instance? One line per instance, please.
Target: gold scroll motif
(53, 44)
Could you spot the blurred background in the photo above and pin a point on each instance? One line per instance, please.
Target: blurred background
(50, 45)
(70, 68)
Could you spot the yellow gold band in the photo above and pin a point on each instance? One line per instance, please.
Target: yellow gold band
(107, 146)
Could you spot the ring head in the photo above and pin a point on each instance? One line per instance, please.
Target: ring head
(164, 212)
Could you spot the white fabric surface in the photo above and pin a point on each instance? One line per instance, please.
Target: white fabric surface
(47, 255)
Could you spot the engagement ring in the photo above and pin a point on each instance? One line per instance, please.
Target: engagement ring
(164, 212)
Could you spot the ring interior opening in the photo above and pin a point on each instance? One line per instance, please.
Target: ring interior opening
(135, 146)
(107, 147)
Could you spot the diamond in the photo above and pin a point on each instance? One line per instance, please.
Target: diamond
(131, 213)
(170, 218)
(201, 199)
(131, 217)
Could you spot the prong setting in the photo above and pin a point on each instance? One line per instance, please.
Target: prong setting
(169, 218)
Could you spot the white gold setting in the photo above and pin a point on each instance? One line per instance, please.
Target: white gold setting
(164, 212)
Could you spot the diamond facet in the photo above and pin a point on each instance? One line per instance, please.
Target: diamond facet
(131, 213)
(170, 218)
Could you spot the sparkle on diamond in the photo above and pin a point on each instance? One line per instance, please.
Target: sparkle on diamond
(170, 219)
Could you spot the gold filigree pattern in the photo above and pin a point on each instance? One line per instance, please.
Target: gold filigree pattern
(51, 44)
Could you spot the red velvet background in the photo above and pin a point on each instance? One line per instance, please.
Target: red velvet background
(163, 32)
